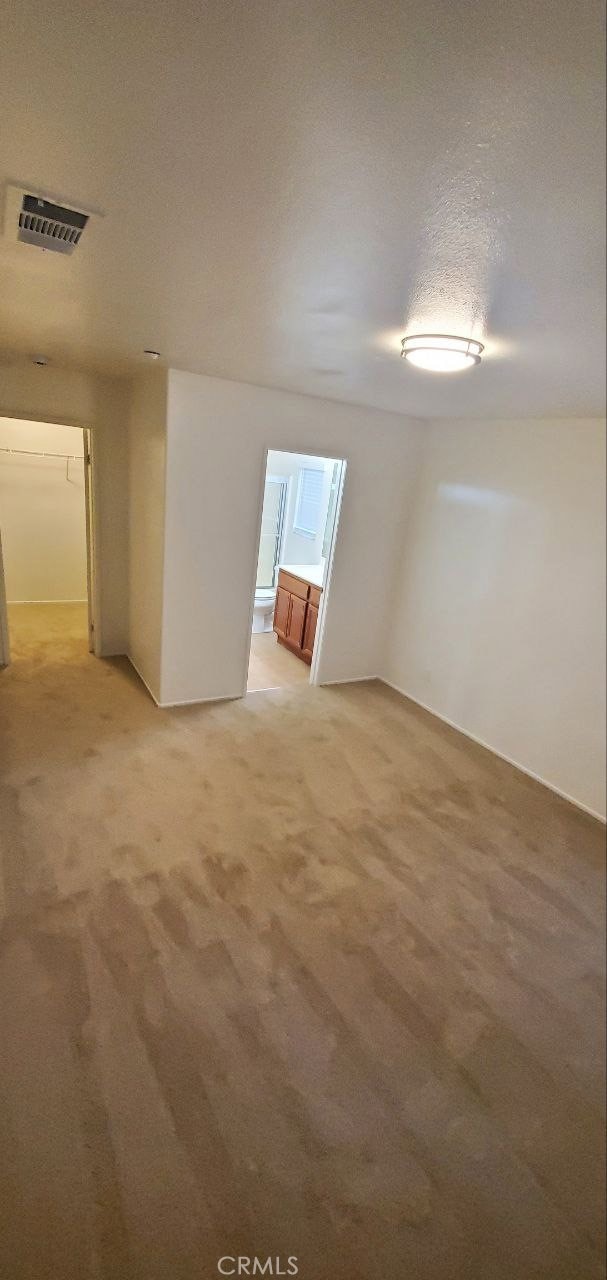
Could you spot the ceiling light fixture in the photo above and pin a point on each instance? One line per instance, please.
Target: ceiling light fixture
(151, 355)
(440, 352)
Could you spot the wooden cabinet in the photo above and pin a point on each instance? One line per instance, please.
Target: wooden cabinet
(295, 586)
(297, 621)
(296, 614)
(309, 634)
(282, 609)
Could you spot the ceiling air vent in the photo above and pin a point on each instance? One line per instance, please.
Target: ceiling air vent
(44, 218)
(50, 226)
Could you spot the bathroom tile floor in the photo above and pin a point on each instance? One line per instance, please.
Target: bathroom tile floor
(271, 666)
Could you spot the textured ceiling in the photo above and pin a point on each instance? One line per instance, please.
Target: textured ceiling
(290, 184)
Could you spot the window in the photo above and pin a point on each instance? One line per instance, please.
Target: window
(308, 505)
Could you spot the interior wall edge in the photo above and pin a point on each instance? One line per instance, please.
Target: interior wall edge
(147, 447)
(141, 677)
(516, 764)
(403, 550)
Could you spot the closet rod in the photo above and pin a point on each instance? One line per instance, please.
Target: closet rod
(36, 453)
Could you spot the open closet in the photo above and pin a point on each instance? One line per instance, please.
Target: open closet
(45, 531)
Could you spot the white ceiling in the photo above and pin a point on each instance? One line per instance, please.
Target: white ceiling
(289, 185)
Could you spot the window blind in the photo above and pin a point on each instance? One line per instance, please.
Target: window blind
(309, 495)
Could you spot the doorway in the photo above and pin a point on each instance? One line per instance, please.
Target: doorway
(46, 531)
(298, 527)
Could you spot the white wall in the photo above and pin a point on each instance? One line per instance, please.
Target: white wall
(494, 618)
(218, 432)
(147, 456)
(297, 548)
(83, 399)
(500, 622)
(42, 514)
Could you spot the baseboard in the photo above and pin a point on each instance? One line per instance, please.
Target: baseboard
(500, 755)
(199, 702)
(186, 702)
(350, 680)
(77, 601)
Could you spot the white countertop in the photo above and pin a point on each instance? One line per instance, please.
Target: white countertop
(313, 573)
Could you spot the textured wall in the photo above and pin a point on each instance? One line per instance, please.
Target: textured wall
(217, 436)
(500, 617)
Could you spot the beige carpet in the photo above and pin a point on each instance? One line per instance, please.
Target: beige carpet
(306, 974)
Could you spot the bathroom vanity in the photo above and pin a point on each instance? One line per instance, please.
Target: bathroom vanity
(296, 611)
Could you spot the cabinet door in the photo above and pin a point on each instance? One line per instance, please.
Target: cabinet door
(310, 631)
(297, 618)
(281, 611)
(296, 586)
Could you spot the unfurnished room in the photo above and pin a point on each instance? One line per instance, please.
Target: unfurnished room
(302, 640)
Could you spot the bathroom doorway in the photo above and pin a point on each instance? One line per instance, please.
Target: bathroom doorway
(298, 526)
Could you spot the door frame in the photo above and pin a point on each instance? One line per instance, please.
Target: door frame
(89, 514)
(322, 608)
(91, 534)
(5, 647)
(335, 455)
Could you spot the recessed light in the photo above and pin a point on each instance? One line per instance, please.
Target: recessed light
(440, 352)
(151, 355)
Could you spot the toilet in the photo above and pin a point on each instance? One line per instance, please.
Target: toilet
(263, 608)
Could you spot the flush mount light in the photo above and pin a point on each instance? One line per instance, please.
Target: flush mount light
(440, 352)
(151, 355)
